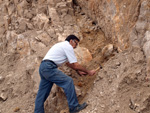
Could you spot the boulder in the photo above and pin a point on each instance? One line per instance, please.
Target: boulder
(83, 55)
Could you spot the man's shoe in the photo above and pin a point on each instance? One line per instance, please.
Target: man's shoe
(78, 108)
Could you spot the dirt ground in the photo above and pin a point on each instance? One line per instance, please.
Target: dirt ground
(119, 87)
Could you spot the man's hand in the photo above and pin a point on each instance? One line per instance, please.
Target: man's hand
(80, 69)
(81, 73)
(92, 72)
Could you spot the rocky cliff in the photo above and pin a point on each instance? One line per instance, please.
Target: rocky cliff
(113, 33)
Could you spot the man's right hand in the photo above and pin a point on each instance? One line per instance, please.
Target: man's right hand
(92, 72)
(77, 66)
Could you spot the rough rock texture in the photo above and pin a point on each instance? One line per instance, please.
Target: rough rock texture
(113, 33)
(116, 18)
(120, 86)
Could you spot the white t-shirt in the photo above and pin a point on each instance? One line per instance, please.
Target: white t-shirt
(60, 53)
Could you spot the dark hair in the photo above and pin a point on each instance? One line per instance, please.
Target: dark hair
(73, 37)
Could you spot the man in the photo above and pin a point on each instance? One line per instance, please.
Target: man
(60, 53)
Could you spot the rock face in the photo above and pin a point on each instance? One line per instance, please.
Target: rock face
(113, 33)
(120, 86)
(115, 18)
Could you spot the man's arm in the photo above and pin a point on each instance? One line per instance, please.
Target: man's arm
(76, 66)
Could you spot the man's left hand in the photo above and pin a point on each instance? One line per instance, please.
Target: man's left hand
(81, 73)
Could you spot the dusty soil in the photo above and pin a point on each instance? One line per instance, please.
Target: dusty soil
(120, 87)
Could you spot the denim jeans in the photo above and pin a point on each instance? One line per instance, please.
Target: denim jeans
(50, 74)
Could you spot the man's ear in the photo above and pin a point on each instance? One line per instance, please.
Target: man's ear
(71, 40)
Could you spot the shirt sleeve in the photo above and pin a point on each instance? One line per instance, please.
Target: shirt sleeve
(70, 55)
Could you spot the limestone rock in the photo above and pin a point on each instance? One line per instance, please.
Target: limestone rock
(106, 13)
(139, 104)
(147, 36)
(23, 47)
(20, 8)
(1, 79)
(44, 38)
(78, 91)
(28, 28)
(11, 8)
(107, 50)
(16, 2)
(29, 14)
(52, 32)
(41, 1)
(56, 1)
(61, 5)
(36, 78)
(51, 3)
(53, 15)
(22, 25)
(40, 21)
(83, 55)
(68, 19)
(11, 37)
(7, 21)
(3, 96)
(148, 67)
(146, 48)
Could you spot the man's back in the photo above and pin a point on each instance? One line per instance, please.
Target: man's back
(60, 53)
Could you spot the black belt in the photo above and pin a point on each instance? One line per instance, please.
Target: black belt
(49, 61)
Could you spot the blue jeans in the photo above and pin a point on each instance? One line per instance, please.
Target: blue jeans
(50, 74)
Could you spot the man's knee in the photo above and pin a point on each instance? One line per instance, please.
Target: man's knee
(70, 80)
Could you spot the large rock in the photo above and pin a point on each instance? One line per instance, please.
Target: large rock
(20, 7)
(146, 49)
(22, 25)
(11, 37)
(146, 46)
(83, 55)
(7, 21)
(107, 50)
(40, 21)
(3, 96)
(1, 79)
(23, 46)
(44, 38)
(53, 15)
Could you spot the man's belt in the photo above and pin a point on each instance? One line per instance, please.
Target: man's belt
(46, 60)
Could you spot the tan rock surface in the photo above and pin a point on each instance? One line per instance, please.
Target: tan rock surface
(113, 33)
